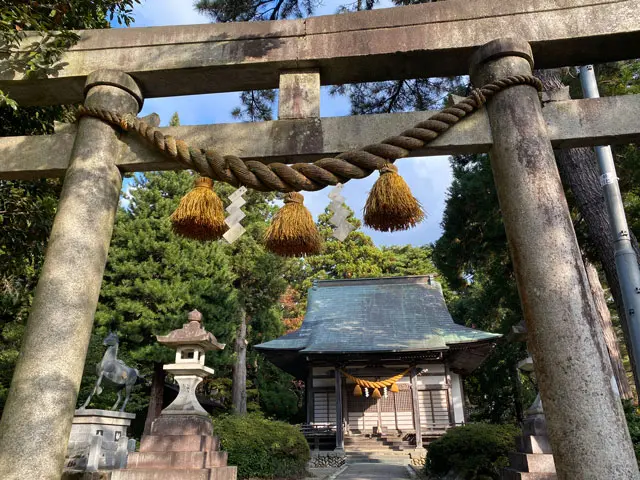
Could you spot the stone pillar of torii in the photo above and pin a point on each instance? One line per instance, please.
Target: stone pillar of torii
(586, 424)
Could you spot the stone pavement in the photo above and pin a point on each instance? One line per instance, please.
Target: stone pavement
(374, 471)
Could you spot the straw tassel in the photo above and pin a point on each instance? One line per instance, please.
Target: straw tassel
(200, 215)
(376, 393)
(394, 388)
(357, 391)
(390, 205)
(292, 231)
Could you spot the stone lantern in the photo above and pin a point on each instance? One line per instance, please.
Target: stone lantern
(181, 443)
(190, 342)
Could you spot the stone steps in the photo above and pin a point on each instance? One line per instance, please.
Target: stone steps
(163, 474)
(532, 462)
(179, 443)
(387, 459)
(220, 473)
(511, 474)
(177, 459)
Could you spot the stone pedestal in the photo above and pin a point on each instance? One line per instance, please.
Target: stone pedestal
(98, 440)
(179, 447)
(181, 444)
(534, 459)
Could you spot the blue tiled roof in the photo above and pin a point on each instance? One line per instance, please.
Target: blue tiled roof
(394, 314)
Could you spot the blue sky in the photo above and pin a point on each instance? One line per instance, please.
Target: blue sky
(428, 177)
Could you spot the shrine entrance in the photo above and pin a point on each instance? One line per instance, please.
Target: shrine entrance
(113, 71)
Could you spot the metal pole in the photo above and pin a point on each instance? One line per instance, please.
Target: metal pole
(586, 424)
(624, 254)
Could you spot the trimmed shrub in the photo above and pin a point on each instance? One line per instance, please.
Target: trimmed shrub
(262, 448)
(475, 452)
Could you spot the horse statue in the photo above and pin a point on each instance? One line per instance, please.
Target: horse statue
(115, 371)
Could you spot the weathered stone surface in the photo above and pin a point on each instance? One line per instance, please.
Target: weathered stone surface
(573, 378)
(610, 120)
(510, 474)
(112, 429)
(163, 474)
(178, 443)
(182, 425)
(412, 42)
(534, 444)
(37, 418)
(532, 462)
(299, 94)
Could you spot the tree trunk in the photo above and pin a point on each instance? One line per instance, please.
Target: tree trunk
(608, 333)
(239, 389)
(156, 397)
(579, 171)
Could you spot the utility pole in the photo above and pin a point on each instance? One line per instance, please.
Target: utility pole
(625, 255)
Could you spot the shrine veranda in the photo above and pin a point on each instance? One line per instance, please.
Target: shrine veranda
(115, 70)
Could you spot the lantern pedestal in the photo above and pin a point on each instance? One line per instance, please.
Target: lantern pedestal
(181, 444)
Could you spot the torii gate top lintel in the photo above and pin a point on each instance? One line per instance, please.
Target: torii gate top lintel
(418, 41)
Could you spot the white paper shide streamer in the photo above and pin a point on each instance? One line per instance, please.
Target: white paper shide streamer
(340, 214)
(235, 215)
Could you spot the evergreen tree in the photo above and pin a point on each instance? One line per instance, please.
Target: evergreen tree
(473, 256)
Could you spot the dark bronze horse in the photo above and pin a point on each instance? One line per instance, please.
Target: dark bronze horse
(115, 371)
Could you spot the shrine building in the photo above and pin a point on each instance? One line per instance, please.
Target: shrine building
(396, 331)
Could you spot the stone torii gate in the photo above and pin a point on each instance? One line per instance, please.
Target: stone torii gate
(116, 69)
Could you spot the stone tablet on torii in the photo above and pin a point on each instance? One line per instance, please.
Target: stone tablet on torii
(300, 55)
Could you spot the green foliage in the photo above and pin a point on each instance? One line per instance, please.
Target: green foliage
(281, 395)
(255, 10)
(262, 448)
(473, 256)
(475, 451)
(54, 21)
(632, 415)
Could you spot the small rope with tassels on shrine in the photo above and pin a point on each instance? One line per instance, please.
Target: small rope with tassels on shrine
(390, 206)
(378, 387)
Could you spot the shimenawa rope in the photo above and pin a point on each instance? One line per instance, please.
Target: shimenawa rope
(317, 175)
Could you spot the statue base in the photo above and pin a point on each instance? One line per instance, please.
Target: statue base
(98, 440)
(179, 446)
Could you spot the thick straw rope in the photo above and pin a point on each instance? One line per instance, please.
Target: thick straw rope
(310, 176)
(380, 384)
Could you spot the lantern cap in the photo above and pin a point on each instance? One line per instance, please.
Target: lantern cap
(192, 333)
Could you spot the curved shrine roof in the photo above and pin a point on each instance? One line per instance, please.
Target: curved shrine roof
(393, 314)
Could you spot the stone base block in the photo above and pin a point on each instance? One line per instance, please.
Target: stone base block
(220, 473)
(534, 463)
(193, 460)
(182, 425)
(534, 444)
(510, 474)
(179, 443)
(535, 425)
(163, 474)
(224, 473)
